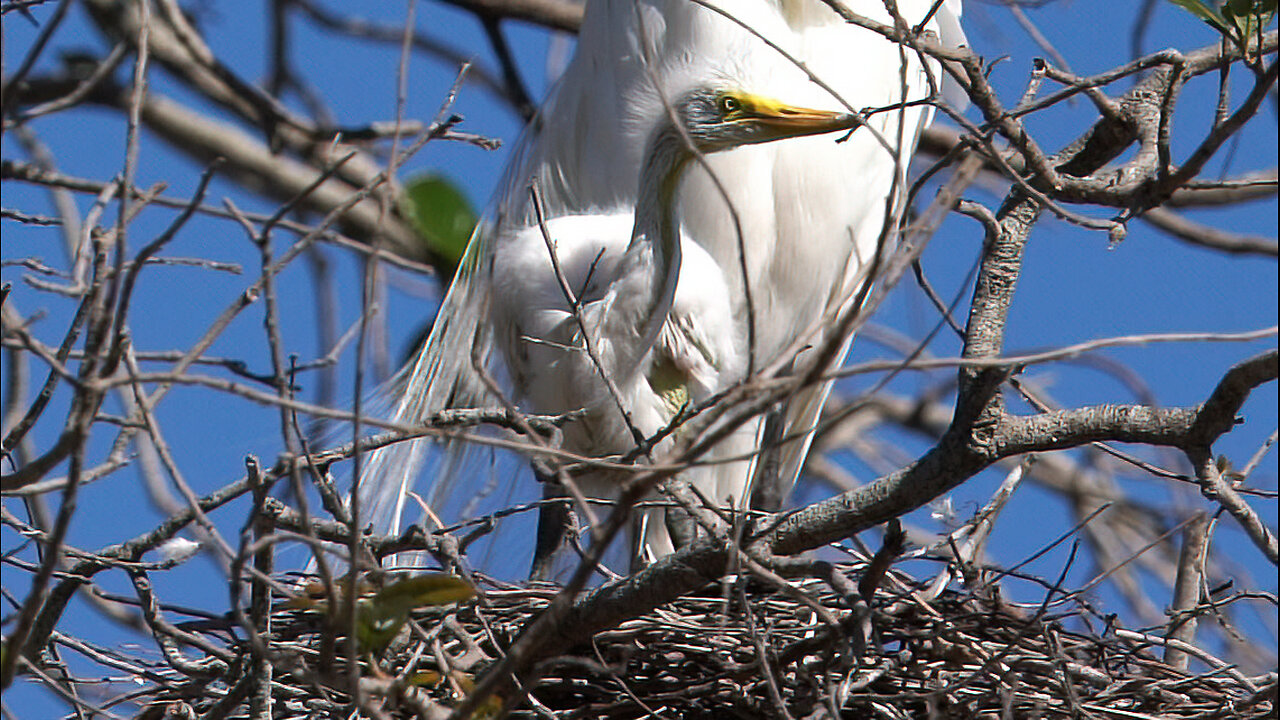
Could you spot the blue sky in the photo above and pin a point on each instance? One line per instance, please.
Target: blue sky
(1075, 287)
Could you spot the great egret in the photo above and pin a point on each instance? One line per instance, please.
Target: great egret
(606, 296)
(793, 229)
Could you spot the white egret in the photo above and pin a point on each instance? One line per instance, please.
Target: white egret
(633, 301)
(793, 230)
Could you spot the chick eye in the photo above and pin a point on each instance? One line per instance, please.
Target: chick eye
(729, 105)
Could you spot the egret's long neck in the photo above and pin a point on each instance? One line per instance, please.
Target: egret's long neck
(655, 239)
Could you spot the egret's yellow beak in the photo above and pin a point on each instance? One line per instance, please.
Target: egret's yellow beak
(789, 120)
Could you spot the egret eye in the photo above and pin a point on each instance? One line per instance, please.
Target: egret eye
(729, 104)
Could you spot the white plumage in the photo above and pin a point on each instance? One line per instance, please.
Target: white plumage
(809, 213)
(543, 349)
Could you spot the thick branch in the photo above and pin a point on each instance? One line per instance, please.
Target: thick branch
(1119, 423)
(951, 462)
(1218, 414)
(563, 15)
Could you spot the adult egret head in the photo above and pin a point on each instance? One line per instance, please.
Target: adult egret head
(718, 119)
(705, 119)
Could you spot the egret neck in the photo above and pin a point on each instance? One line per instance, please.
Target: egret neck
(653, 255)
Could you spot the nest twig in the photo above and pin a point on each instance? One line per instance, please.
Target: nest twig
(746, 651)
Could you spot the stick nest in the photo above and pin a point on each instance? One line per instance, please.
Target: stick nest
(738, 651)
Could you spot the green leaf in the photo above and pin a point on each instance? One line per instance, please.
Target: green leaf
(423, 590)
(441, 215)
(380, 617)
(1248, 16)
(1205, 12)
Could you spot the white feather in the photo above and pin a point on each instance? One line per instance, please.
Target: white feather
(809, 211)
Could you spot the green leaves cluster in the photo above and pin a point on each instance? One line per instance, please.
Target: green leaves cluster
(441, 215)
(380, 617)
(1238, 20)
(381, 613)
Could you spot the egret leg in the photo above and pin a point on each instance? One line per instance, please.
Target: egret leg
(681, 526)
(555, 522)
(768, 491)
